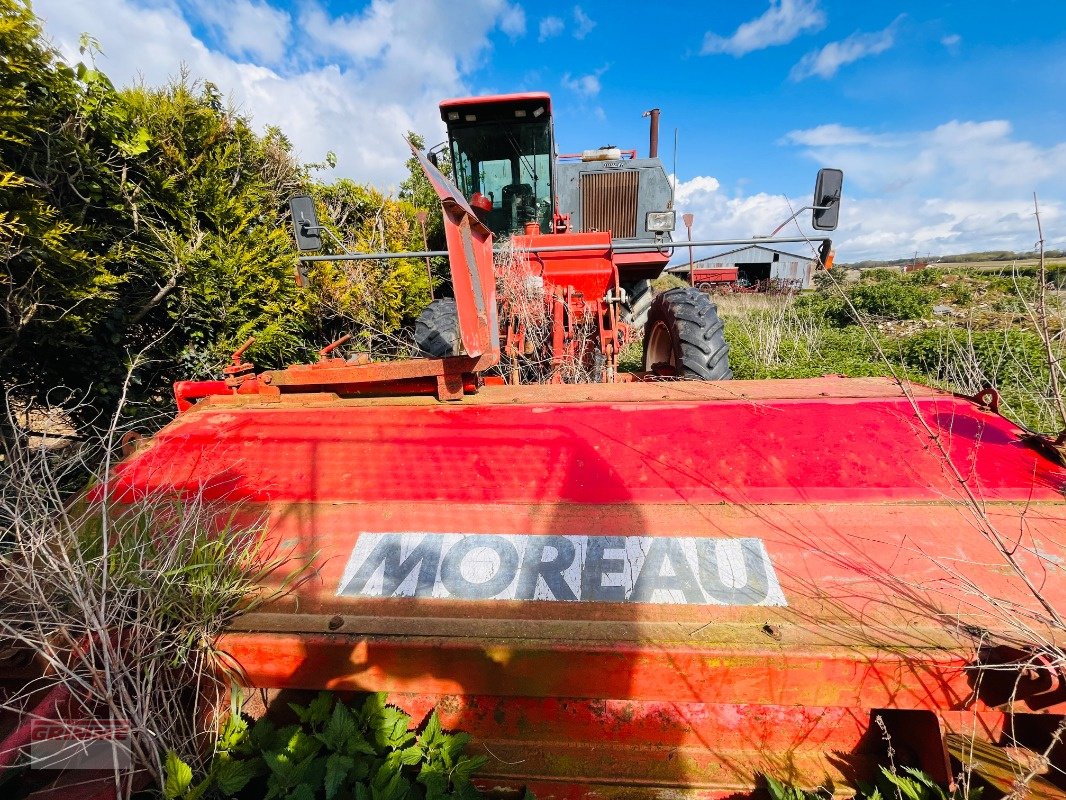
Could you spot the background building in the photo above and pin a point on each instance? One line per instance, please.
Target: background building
(752, 266)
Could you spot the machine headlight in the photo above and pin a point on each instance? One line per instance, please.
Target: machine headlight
(660, 221)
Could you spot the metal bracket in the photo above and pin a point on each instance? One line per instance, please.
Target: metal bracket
(988, 398)
(1003, 675)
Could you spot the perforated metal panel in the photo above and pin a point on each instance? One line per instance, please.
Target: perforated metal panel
(609, 202)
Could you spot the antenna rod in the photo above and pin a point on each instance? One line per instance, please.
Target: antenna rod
(673, 186)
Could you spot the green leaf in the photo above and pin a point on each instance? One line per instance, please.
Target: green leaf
(410, 756)
(357, 743)
(261, 737)
(435, 779)
(394, 726)
(339, 729)
(432, 732)
(318, 711)
(280, 764)
(397, 788)
(302, 792)
(338, 768)
(454, 745)
(909, 788)
(465, 768)
(776, 788)
(302, 744)
(232, 776)
(234, 733)
(178, 776)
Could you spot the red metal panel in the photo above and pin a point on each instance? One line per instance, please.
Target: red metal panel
(470, 257)
(590, 272)
(740, 450)
(724, 275)
(855, 497)
(494, 99)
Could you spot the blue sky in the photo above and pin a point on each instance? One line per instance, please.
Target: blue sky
(945, 116)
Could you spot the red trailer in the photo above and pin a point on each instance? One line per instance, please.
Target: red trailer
(710, 280)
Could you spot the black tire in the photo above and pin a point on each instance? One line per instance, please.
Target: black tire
(685, 334)
(437, 329)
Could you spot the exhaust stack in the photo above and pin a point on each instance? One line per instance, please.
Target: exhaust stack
(653, 134)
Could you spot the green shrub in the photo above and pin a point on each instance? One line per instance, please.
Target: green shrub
(666, 282)
(891, 783)
(826, 279)
(880, 274)
(892, 299)
(1013, 361)
(888, 296)
(960, 293)
(631, 359)
(803, 353)
(334, 752)
(930, 276)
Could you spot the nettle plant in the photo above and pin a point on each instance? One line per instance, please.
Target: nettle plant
(335, 752)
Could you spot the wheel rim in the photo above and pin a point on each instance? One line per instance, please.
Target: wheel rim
(659, 349)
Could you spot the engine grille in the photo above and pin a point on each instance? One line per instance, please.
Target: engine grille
(609, 202)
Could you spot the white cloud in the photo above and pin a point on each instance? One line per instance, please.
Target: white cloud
(513, 21)
(779, 24)
(352, 84)
(583, 23)
(584, 85)
(834, 134)
(247, 27)
(549, 27)
(965, 158)
(961, 186)
(951, 42)
(825, 62)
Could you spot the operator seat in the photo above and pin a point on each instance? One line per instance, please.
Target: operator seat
(516, 197)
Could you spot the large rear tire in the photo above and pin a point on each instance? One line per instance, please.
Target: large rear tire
(684, 336)
(437, 329)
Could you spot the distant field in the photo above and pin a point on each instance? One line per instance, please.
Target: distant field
(993, 266)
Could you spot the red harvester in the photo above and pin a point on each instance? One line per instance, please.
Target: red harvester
(646, 589)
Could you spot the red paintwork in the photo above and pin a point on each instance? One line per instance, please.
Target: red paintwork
(470, 263)
(865, 523)
(494, 99)
(724, 275)
(587, 272)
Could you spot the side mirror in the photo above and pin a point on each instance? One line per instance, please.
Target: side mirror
(827, 199)
(305, 223)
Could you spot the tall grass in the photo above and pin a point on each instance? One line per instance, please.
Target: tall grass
(121, 605)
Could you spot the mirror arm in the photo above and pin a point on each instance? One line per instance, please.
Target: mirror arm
(777, 230)
(311, 230)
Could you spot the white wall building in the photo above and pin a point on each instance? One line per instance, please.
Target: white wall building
(753, 264)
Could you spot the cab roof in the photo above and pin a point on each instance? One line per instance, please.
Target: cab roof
(521, 98)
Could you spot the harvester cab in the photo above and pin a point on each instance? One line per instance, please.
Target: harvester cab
(502, 150)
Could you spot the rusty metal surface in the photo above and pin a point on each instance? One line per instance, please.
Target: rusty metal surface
(609, 202)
